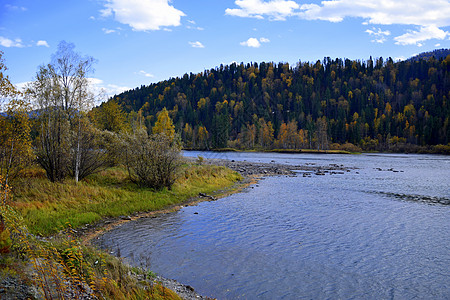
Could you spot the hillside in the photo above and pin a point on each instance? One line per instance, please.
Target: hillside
(374, 104)
(437, 54)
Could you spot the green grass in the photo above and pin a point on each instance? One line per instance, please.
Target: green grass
(48, 207)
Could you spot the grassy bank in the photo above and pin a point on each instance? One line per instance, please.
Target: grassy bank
(48, 207)
(63, 268)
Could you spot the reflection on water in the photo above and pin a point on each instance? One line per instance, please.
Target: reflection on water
(334, 236)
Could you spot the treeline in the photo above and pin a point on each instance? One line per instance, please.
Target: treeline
(373, 105)
(437, 54)
(67, 140)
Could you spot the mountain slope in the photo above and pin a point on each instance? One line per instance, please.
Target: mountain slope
(373, 104)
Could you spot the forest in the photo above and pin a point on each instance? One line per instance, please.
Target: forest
(372, 105)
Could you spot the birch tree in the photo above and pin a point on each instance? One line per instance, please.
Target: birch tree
(63, 94)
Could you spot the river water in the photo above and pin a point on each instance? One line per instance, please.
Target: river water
(369, 233)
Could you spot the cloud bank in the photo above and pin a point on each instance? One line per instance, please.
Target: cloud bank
(417, 37)
(275, 9)
(8, 43)
(428, 15)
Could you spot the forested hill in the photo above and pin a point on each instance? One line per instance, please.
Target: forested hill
(437, 54)
(374, 104)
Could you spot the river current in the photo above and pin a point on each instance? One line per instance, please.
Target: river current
(369, 233)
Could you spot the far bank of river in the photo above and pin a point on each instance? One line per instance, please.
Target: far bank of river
(339, 226)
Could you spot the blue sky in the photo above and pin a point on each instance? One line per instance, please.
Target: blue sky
(137, 42)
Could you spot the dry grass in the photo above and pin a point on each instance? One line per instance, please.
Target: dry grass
(48, 207)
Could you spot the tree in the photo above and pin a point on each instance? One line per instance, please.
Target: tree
(91, 153)
(164, 125)
(109, 116)
(265, 135)
(15, 141)
(188, 136)
(202, 137)
(288, 137)
(220, 130)
(62, 93)
(7, 89)
(321, 133)
(15, 144)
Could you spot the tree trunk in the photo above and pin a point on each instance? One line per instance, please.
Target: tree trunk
(78, 154)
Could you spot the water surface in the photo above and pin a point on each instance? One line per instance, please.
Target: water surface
(357, 235)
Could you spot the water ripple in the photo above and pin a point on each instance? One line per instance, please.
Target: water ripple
(325, 237)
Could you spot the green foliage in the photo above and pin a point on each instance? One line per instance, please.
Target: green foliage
(62, 93)
(109, 116)
(152, 161)
(15, 140)
(7, 89)
(5, 240)
(365, 103)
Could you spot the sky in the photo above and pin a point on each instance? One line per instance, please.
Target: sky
(138, 42)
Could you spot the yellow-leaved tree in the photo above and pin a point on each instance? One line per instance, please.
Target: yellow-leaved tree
(15, 141)
(164, 125)
(15, 144)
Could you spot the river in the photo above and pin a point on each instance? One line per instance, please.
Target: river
(369, 233)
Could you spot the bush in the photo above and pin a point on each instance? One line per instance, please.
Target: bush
(152, 161)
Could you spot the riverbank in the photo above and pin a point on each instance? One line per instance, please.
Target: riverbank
(251, 172)
(256, 243)
(48, 210)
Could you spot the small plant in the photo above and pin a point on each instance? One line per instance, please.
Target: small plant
(200, 159)
(150, 275)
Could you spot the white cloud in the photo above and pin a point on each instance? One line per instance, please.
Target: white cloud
(143, 73)
(42, 43)
(17, 8)
(417, 37)
(437, 45)
(274, 9)
(103, 91)
(100, 90)
(196, 44)
(143, 15)
(430, 15)
(387, 12)
(108, 31)
(379, 35)
(251, 42)
(195, 27)
(5, 42)
(254, 42)
(107, 12)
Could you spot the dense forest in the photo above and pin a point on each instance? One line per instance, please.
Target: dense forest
(372, 105)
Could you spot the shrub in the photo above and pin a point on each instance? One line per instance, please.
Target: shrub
(152, 161)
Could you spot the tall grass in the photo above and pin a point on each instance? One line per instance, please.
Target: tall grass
(47, 207)
(62, 268)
